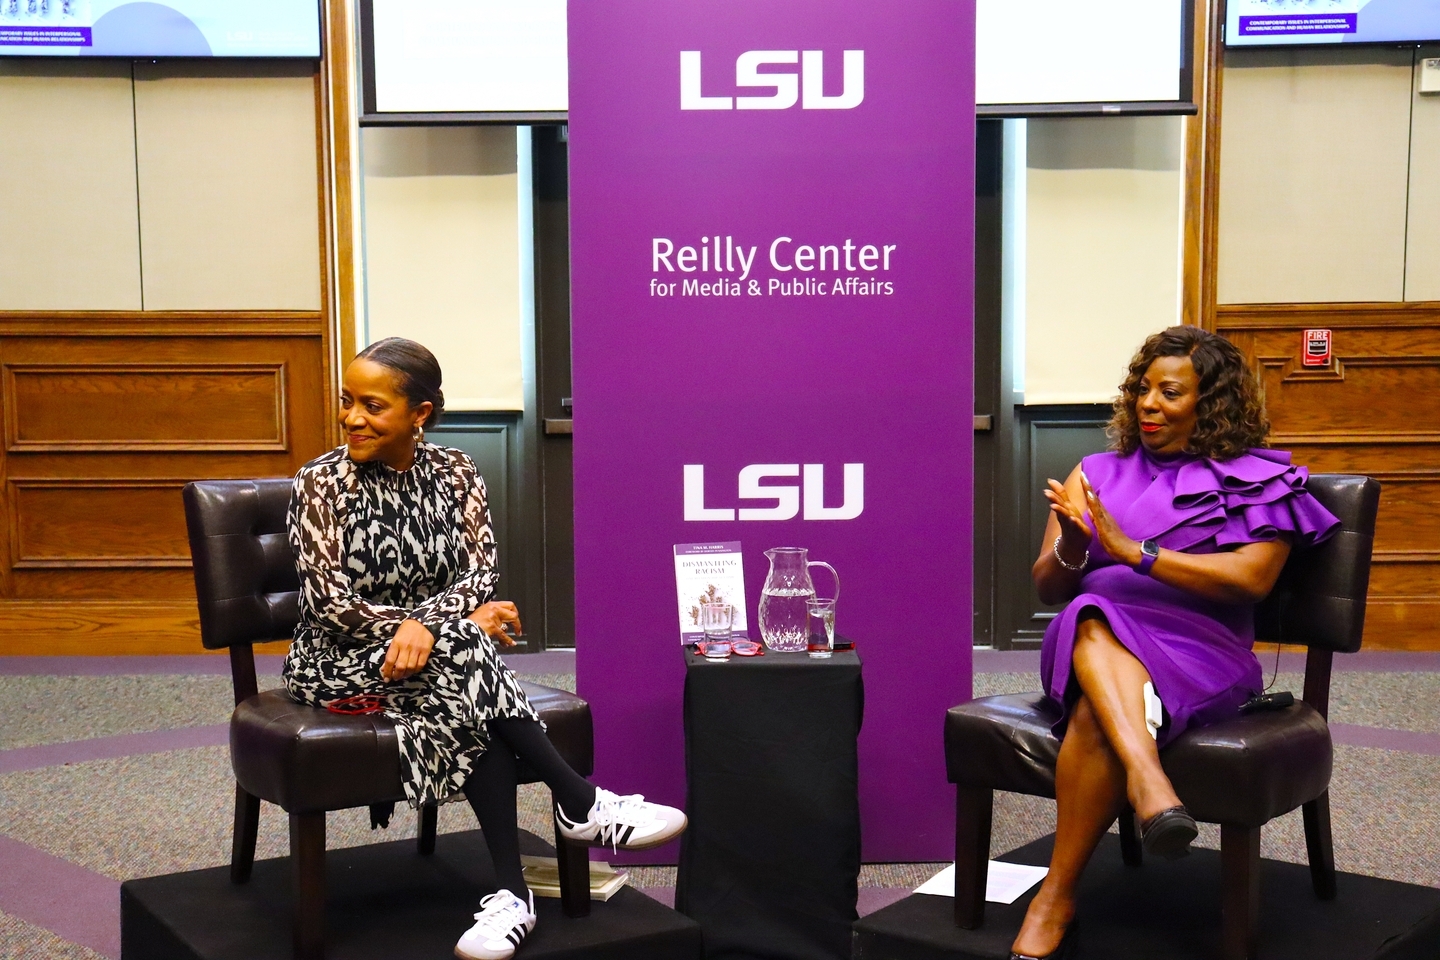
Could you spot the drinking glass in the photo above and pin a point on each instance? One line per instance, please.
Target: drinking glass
(821, 611)
(716, 619)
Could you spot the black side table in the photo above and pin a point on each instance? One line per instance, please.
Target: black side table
(770, 865)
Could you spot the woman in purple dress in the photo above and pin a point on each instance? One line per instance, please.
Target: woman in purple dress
(1161, 547)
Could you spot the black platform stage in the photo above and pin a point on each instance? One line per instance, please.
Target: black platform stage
(1171, 911)
(385, 902)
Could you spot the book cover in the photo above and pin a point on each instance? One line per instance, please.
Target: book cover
(709, 573)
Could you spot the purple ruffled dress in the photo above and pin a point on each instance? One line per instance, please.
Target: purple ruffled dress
(1198, 651)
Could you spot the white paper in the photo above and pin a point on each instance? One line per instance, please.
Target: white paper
(1004, 882)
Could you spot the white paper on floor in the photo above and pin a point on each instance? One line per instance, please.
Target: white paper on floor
(1004, 882)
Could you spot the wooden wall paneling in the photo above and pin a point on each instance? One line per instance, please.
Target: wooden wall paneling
(339, 147)
(95, 524)
(69, 230)
(102, 432)
(89, 395)
(116, 627)
(162, 323)
(1360, 416)
(1202, 170)
(182, 407)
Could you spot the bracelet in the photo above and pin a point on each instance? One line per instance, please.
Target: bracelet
(1070, 566)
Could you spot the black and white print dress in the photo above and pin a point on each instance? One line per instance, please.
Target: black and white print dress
(375, 546)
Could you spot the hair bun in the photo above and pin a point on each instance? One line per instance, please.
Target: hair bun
(416, 369)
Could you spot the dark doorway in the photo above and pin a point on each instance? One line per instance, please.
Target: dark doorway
(553, 403)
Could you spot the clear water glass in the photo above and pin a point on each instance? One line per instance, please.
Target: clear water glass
(821, 615)
(716, 620)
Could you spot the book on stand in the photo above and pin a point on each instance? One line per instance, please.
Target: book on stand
(709, 573)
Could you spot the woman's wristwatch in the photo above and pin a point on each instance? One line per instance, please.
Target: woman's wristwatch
(1149, 553)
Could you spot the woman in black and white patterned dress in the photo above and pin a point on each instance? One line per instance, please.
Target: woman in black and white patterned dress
(397, 573)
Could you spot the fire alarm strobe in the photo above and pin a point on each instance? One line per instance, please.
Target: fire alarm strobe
(1317, 349)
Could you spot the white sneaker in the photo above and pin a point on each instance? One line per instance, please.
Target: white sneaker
(628, 823)
(503, 922)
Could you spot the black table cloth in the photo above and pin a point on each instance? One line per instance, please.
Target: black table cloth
(770, 865)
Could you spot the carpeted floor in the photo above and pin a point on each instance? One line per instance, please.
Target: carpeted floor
(115, 768)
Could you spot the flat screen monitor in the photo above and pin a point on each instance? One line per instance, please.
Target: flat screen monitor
(506, 61)
(1271, 23)
(175, 28)
(1064, 57)
(498, 58)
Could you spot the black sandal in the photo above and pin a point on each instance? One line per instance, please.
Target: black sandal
(1068, 948)
(1168, 834)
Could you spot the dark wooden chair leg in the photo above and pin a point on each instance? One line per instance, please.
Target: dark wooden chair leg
(242, 842)
(573, 860)
(973, 809)
(429, 815)
(1240, 890)
(1131, 853)
(1318, 845)
(307, 866)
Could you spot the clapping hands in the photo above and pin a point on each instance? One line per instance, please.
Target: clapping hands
(1075, 532)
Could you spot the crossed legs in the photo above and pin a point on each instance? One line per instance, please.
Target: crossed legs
(1106, 760)
(491, 790)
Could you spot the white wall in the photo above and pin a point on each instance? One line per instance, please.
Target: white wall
(1422, 245)
(1103, 223)
(442, 254)
(253, 244)
(189, 186)
(1314, 174)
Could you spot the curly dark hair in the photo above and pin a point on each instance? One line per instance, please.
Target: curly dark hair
(1230, 416)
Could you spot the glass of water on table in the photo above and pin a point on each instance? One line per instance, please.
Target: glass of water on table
(716, 619)
(821, 612)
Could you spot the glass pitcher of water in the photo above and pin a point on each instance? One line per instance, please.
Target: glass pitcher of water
(784, 600)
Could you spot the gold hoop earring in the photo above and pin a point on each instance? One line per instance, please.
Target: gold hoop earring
(418, 434)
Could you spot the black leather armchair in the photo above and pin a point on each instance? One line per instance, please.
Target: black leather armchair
(305, 759)
(1240, 774)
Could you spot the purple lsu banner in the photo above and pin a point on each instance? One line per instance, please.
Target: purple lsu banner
(772, 210)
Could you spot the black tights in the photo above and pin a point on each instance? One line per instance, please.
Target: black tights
(491, 791)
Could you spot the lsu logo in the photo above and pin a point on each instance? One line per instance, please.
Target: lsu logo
(806, 88)
(785, 499)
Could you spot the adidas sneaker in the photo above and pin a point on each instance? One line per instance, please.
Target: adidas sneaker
(501, 926)
(623, 823)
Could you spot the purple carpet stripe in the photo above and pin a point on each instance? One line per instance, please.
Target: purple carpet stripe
(1008, 661)
(878, 898)
(104, 748)
(71, 902)
(1381, 738)
(1382, 661)
(218, 665)
(662, 895)
(200, 665)
(1366, 661)
(546, 661)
